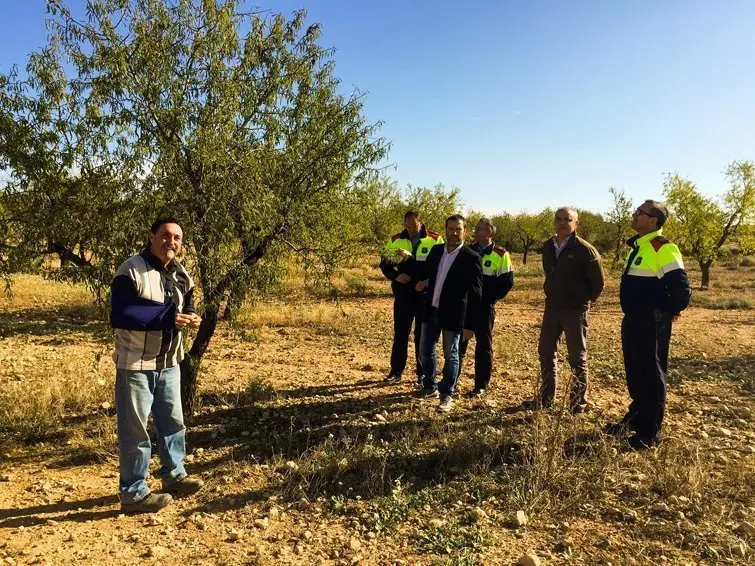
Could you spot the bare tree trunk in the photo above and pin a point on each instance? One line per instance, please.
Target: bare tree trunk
(524, 257)
(705, 271)
(190, 364)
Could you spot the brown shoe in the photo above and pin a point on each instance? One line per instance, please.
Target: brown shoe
(185, 486)
(152, 503)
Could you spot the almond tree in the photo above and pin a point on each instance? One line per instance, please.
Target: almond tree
(230, 119)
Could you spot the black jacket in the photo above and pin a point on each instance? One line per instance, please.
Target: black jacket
(411, 266)
(462, 290)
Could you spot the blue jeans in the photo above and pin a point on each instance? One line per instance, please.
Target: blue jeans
(136, 394)
(431, 332)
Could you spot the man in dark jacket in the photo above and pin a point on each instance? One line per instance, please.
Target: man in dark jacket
(573, 280)
(654, 291)
(403, 256)
(454, 291)
(497, 281)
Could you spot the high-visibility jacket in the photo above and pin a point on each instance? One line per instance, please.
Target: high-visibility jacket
(401, 256)
(654, 276)
(497, 272)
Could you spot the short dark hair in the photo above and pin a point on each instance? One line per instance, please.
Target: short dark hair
(456, 218)
(163, 220)
(658, 211)
(411, 214)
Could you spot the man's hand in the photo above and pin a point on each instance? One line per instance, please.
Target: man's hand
(196, 320)
(466, 335)
(421, 285)
(182, 320)
(402, 278)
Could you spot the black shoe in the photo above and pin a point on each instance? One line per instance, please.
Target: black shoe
(185, 486)
(619, 428)
(150, 504)
(476, 393)
(427, 393)
(392, 377)
(637, 442)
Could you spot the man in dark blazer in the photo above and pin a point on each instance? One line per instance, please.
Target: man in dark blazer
(454, 292)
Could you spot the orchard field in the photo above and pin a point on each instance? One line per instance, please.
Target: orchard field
(309, 458)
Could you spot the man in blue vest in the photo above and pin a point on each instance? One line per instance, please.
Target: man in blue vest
(654, 291)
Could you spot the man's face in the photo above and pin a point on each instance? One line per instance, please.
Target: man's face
(454, 233)
(642, 222)
(483, 234)
(565, 222)
(412, 225)
(166, 243)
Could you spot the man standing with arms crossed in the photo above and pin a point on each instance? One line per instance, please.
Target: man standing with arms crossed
(573, 280)
(403, 257)
(151, 302)
(497, 281)
(654, 291)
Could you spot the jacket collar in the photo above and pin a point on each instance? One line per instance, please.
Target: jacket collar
(421, 234)
(571, 241)
(155, 262)
(482, 251)
(636, 241)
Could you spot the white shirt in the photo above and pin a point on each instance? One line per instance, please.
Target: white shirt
(445, 264)
(560, 247)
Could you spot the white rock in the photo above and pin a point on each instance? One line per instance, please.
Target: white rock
(291, 465)
(105, 406)
(529, 560)
(520, 519)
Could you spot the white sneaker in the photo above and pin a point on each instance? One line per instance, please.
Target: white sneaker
(446, 404)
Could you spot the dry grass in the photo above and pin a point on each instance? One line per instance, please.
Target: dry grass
(299, 414)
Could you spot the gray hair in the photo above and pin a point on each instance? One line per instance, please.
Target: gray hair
(572, 213)
(487, 223)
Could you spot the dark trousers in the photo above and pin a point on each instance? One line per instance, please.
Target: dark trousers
(408, 308)
(572, 323)
(483, 349)
(645, 339)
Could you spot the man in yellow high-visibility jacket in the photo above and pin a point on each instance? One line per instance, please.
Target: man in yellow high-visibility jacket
(654, 290)
(401, 262)
(497, 281)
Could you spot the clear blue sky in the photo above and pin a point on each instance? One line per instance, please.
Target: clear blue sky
(526, 104)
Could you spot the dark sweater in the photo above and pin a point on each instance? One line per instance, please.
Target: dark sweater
(575, 278)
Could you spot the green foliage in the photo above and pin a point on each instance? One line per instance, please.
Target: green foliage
(259, 390)
(229, 119)
(462, 543)
(701, 226)
(384, 205)
(533, 229)
(619, 223)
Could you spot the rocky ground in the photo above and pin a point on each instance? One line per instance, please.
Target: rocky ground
(309, 458)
